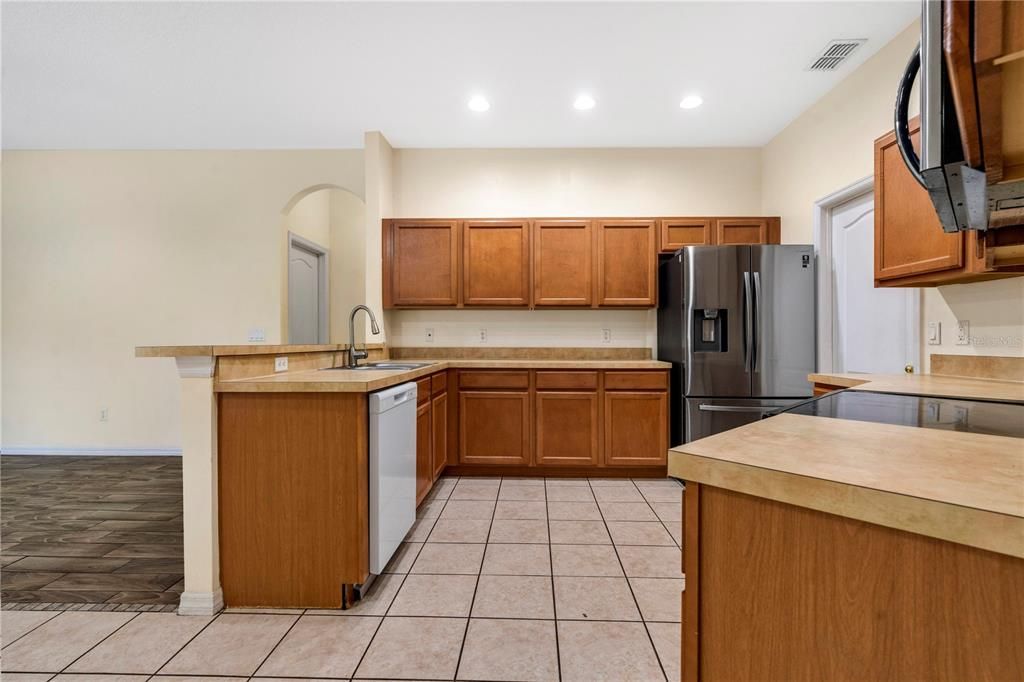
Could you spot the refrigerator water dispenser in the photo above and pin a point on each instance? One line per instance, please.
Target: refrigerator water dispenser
(712, 332)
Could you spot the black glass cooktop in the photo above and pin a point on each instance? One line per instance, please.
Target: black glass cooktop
(949, 414)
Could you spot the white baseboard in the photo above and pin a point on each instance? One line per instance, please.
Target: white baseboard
(201, 603)
(92, 452)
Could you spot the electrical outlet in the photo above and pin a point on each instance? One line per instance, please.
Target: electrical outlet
(429, 335)
(483, 336)
(257, 335)
(963, 333)
(281, 364)
(934, 333)
(606, 336)
(104, 414)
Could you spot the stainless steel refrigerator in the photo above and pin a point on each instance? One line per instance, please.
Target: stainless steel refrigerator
(738, 325)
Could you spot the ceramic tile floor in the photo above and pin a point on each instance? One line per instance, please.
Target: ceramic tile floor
(500, 579)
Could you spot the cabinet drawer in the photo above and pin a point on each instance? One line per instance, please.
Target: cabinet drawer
(547, 380)
(494, 379)
(636, 381)
(438, 383)
(422, 390)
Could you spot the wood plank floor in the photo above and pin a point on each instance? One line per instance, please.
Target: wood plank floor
(90, 530)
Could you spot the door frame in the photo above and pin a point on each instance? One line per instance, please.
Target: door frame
(323, 285)
(823, 208)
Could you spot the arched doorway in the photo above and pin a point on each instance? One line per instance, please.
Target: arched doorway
(323, 263)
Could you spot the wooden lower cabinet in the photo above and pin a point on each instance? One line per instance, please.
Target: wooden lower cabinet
(439, 426)
(292, 497)
(494, 427)
(567, 427)
(569, 420)
(635, 432)
(780, 592)
(424, 445)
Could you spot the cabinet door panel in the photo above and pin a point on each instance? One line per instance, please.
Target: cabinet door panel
(424, 443)
(626, 263)
(494, 427)
(567, 428)
(423, 257)
(908, 236)
(562, 263)
(675, 233)
(496, 263)
(635, 431)
(741, 231)
(439, 424)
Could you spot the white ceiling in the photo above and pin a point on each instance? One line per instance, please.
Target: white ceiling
(294, 75)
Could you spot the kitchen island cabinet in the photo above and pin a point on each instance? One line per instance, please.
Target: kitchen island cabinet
(817, 548)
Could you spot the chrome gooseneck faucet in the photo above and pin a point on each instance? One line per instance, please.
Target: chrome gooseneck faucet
(354, 356)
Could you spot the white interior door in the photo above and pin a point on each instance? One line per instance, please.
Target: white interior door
(303, 294)
(873, 330)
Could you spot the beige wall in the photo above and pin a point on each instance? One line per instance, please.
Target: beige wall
(562, 182)
(830, 146)
(348, 261)
(106, 250)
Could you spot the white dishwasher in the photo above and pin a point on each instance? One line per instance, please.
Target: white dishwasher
(392, 471)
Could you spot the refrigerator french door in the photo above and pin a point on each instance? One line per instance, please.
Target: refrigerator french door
(738, 324)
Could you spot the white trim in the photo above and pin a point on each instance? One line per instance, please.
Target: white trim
(201, 603)
(91, 452)
(324, 284)
(823, 247)
(195, 366)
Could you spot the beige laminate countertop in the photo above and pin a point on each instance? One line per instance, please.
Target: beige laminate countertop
(963, 487)
(361, 381)
(926, 384)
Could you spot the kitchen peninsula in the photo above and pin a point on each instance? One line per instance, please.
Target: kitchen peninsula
(832, 548)
(275, 463)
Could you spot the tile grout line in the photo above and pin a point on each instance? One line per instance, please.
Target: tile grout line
(629, 584)
(384, 615)
(554, 601)
(480, 570)
(41, 624)
(190, 640)
(102, 639)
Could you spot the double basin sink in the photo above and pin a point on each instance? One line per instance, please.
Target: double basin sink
(383, 366)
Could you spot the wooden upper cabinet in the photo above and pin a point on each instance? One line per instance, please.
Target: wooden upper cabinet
(908, 235)
(626, 263)
(421, 263)
(742, 231)
(675, 233)
(496, 262)
(563, 273)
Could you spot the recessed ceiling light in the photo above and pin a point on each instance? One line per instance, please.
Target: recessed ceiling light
(583, 103)
(478, 103)
(691, 102)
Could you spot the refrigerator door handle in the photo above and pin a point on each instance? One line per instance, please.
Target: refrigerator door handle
(704, 407)
(753, 327)
(748, 323)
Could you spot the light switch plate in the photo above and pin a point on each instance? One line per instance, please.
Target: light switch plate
(429, 335)
(963, 333)
(257, 335)
(934, 333)
(281, 364)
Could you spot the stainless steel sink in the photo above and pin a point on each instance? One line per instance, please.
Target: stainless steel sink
(385, 366)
